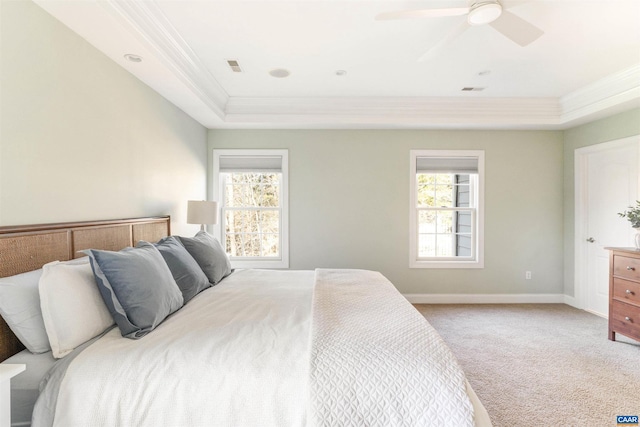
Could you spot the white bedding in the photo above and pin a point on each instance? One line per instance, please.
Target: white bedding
(236, 355)
(375, 361)
(231, 356)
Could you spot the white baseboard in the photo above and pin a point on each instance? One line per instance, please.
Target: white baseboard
(486, 298)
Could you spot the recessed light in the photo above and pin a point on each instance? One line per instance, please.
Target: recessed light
(279, 73)
(133, 58)
(341, 73)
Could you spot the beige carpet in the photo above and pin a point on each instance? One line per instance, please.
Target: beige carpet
(542, 364)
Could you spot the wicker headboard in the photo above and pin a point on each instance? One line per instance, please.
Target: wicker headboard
(29, 247)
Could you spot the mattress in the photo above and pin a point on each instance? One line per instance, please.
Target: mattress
(25, 386)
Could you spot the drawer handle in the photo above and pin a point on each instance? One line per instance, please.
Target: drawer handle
(631, 268)
(629, 292)
(628, 319)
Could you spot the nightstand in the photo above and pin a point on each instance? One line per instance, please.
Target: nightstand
(7, 372)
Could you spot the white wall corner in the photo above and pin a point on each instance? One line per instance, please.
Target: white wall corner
(572, 301)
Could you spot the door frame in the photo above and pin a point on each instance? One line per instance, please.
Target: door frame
(580, 215)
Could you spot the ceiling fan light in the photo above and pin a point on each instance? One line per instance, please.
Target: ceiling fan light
(484, 12)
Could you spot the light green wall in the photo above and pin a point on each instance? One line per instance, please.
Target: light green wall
(609, 129)
(349, 204)
(83, 139)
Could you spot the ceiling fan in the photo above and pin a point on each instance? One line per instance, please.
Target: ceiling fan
(479, 12)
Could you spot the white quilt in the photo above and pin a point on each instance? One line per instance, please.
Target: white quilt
(375, 361)
(239, 354)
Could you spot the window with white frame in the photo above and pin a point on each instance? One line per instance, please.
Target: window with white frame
(251, 187)
(447, 199)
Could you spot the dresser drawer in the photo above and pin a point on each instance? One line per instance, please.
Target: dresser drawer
(626, 291)
(625, 318)
(626, 267)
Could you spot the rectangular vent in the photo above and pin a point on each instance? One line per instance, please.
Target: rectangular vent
(233, 64)
(472, 89)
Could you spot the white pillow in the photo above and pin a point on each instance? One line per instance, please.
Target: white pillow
(20, 308)
(72, 308)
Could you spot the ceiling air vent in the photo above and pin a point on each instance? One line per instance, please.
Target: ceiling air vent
(233, 64)
(472, 89)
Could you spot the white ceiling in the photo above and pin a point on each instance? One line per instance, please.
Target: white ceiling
(585, 66)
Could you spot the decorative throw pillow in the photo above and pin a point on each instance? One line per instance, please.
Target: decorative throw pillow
(72, 308)
(137, 287)
(209, 255)
(20, 308)
(185, 270)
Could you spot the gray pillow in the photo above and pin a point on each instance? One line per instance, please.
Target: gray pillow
(209, 255)
(20, 308)
(185, 270)
(137, 287)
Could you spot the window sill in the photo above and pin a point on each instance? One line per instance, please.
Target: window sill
(259, 264)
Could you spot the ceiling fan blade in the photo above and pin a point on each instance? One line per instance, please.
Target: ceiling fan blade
(422, 13)
(517, 29)
(438, 47)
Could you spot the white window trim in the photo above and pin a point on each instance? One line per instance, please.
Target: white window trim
(414, 261)
(283, 260)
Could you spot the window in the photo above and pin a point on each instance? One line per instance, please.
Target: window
(252, 190)
(447, 195)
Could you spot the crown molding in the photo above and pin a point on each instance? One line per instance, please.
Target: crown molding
(154, 29)
(396, 111)
(617, 89)
(614, 93)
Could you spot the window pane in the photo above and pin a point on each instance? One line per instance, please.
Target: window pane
(269, 221)
(444, 178)
(444, 233)
(242, 221)
(252, 189)
(237, 195)
(246, 245)
(444, 245)
(426, 189)
(269, 195)
(426, 245)
(444, 196)
(270, 244)
(444, 222)
(426, 222)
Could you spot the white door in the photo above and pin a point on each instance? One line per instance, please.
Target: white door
(611, 173)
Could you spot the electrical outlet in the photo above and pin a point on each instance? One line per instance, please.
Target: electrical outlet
(527, 275)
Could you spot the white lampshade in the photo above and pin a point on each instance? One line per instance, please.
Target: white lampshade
(202, 212)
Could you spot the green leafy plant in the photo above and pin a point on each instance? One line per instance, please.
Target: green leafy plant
(632, 214)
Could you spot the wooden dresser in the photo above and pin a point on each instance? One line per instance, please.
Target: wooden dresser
(624, 292)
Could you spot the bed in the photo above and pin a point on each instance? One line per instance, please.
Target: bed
(248, 348)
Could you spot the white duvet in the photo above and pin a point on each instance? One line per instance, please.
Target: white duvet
(245, 353)
(236, 355)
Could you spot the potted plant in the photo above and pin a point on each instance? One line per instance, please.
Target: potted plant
(633, 215)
